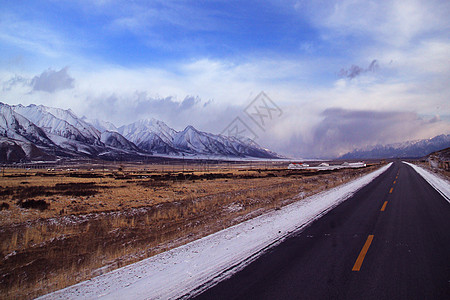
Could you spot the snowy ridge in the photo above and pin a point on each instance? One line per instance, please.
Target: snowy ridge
(16, 126)
(417, 148)
(139, 131)
(150, 135)
(52, 125)
(189, 269)
(59, 122)
(155, 136)
(70, 117)
(101, 125)
(439, 184)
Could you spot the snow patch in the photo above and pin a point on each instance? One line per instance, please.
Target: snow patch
(191, 268)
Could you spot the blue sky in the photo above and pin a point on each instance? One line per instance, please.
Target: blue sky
(324, 63)
(157, 33)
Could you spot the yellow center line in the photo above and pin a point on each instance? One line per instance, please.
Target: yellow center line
(395, 181)
(362, 254)
(384, 206)
(390, 192)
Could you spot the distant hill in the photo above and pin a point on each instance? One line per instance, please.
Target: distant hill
(410, 149)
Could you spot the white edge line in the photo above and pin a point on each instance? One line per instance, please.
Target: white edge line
(419, 171)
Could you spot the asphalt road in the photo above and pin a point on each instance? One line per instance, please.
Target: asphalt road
(391, 240)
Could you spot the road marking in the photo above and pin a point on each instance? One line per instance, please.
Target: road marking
(395, 181)
(384, 206)
(390, 192)
(363, 253)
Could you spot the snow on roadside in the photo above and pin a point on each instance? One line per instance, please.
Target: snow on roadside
(440, 184)
(195, 266)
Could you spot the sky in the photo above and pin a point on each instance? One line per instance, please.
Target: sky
(306, 79)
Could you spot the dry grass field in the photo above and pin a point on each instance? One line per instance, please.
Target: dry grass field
(61, 227)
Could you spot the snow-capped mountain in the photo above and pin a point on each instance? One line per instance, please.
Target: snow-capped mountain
(60, 122)
(143, 130)
(69, 132)
(17, 127)
(418, 148)
(42, 132)
(21, 139)
(65, 130)
(192, 140)
(37, 131)
(150, 135)
(156, 136)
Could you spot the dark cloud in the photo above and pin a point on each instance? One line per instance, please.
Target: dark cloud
(355, 70)
(210, 101)
(168, 106)
(51, 81)
(341, 131)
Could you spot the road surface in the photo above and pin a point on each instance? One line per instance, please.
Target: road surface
(391, 240)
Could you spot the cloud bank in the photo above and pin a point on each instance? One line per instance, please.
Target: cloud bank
(338, 131)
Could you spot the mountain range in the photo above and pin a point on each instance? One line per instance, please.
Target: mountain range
(41, 133)
(410, 149)
(37, 132)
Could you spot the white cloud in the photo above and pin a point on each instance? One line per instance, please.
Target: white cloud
(32, 36)
(392, 22)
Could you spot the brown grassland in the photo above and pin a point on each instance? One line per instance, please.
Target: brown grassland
(59, 227)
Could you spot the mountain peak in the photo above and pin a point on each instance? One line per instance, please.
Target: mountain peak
(190, 128)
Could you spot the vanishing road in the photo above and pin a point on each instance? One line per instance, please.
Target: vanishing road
(391, 240)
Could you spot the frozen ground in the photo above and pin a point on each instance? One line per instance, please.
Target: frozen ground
(188, 269)
(440, 184)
